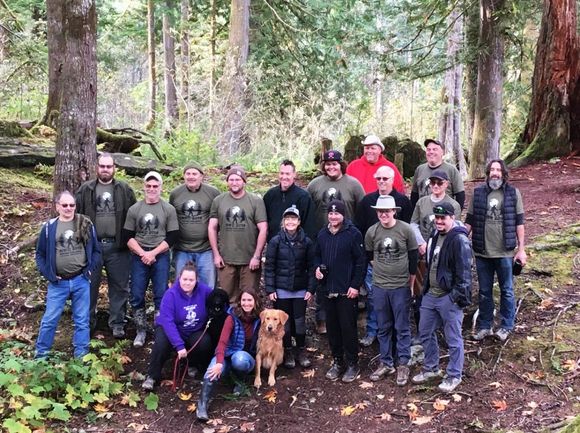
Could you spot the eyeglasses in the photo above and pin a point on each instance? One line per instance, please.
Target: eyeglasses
(383, 179)
(67, 205)
(385, 210)
(151, 186)
(440, 217)
(437, 182)
(106, 165)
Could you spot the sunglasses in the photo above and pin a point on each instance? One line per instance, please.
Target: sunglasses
(151, 186)
(67, 205)
(106, 165)
(437, 182)
(383, 179)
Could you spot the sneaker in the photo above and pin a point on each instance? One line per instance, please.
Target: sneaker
(426, 376)
(140, 339)
(402, 375)
(321, 327)
(449, 384)
(383, 370)
(482, 333)
(192, 372)
(351, 373)
(289, 361)
(148, 384)
(502, 334)
(367, 340)
(118, 332)
(239, 389)
(302, 359)
(335, 370)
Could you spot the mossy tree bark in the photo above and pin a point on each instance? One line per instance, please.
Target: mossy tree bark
(553, 125)
(76, 151)
(151, 115)
(171, 109)
(56, 48)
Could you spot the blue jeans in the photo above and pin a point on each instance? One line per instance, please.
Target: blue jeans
(437, 312)
(240, 363)
(203, 262)
(372, 327)
(486, 268)
(78, 289)
(141, 274)
(392, 309)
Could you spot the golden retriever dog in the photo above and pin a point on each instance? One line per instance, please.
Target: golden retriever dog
(270, 349)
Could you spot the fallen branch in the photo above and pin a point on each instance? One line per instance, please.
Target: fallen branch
(562, 310)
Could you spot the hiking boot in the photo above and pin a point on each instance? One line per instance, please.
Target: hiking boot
(482, 333)
(502, 334)
(148, 384)
(118, 332)
(449, 384)
(425, 376)
(321, 327)
(351, 373)
(367, 340)
(140, 338)
(402, 375)
(302, 358)
(289, 361)
(192, 372)
(335, 370)
(383, 370)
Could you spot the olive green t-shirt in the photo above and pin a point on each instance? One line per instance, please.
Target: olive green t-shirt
(71, 256)
(494, 242)
(323, 190)
(390, 248)
(423, 214)
(434, 288)
(105, 222)
(192, 209)
(151, 222)
(423, 172)
(238, 220)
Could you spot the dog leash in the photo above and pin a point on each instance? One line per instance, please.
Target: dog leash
(179, 376)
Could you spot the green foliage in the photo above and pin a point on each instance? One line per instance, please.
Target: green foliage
(151, 401)
(35, 391)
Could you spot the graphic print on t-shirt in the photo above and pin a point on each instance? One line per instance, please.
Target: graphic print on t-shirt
(149, 224)
(67, 244)
(331, 194)
(105, 203)
(190, 209)
(389, 249)
(494, 210)
(235, 218)
(190, 317)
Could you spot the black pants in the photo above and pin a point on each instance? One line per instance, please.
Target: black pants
(162, 350)
(341, 327)
(296, 324)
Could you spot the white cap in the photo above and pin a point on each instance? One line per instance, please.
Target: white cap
(153, 174)
(373, 139)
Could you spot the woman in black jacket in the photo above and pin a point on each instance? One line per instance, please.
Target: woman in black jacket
(290, 283)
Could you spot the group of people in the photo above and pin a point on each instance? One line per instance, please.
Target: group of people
(352, 229)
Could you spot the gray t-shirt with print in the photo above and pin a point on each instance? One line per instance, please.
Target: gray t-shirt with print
(71, 256)
(434, 288)
(151, 222)
(423, 172)
(105, 221)
(423, 214)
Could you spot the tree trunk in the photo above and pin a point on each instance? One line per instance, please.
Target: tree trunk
(234, 96)
(171, 112)
(553, 125)
(488, 103)
(76, 151)
(185, 58)
(151, 56)
(212, 55)
(471, 42)
(56, 47)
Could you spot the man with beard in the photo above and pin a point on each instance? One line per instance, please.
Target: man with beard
(151, 229)
(106, 200)
(237, 234)
(287, 194)
(421, 185)
(364, 168)
(447, 290)
(333, 184)
(496, 218)
(192, 202)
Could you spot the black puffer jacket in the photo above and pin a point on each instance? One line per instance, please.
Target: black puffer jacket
(290, 263)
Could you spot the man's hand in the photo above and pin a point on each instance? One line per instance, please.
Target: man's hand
(182, 353)
(521, 256)
(148, 258)
(319, 275)
(307, 296)
(352, 293)
(254, 263)
(273, 296)
(422, 249)
(218, 261)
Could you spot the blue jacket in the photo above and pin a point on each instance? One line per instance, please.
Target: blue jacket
(46, 250)
(238, 338)
(454, 268)
(181, 315)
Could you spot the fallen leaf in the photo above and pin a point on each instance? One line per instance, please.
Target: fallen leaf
(347, 410)
(192, 407)
(385, 416)
(391, 399)
(321, 356)
(499, 405)
(185, 396)
(215, 421)
(270, 396)
(420, 420)
(530, 338)
(138, 427)
(546, 304)
(440, 405)
(99, 337)
(532, 404)
(362, 405)
(380, 396)
(366, 385)
(412, 407)
(527, 412)
(247, 426)
(532, 358)
(495, 385)
(136, 376)
(308, 374)
(225, 429)
(125, 359)
(570, 365)
(456, 398)
(101, 408)
(166, 382)
(312, 349)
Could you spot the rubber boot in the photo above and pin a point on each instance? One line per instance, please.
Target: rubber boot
(141, 325)
(203, 402)
(289, 360)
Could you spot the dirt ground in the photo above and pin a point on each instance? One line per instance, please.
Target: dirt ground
(527, 384)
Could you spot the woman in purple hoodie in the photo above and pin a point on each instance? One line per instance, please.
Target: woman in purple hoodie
(180, 324)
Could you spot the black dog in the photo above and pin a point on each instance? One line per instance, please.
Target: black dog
(216, 305)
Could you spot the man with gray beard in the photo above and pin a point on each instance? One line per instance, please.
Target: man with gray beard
(496, 218)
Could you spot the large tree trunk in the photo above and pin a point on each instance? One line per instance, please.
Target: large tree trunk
(213, 60)
(171, 112)
(471, 41)
(185, 59)
(56, 48)
(234, 98)
(488, 104)
(151, 115)
(553, 125)
(76, 151)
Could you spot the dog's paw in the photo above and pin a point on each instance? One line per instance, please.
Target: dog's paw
(271, 381)
(257, 383)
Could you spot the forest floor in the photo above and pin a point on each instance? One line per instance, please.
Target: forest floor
(530, 383)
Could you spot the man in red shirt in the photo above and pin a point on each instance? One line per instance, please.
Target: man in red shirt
(366, 166)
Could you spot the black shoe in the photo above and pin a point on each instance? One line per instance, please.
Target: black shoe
(351, 373)
(303, 360)
(289, 361)
(335, 370)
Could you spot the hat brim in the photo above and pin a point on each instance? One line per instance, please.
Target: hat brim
(386, 208)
